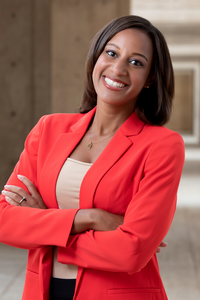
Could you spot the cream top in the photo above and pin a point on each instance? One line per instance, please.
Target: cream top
(67, 194)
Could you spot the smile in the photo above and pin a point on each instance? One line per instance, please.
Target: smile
(113, 83)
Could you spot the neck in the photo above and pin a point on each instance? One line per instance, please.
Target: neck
(108, 119)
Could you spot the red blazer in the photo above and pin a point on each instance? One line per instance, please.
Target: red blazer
(137, 175)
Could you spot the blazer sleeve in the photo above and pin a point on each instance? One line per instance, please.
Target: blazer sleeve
(146, 222)
(26, 227)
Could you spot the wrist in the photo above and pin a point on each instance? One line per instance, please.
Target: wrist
(84, 220)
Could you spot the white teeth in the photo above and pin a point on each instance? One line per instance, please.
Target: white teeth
(114, 83)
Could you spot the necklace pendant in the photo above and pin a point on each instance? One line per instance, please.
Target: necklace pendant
(89, 146)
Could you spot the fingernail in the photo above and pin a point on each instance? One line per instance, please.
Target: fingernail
(20, 176)
(3, 192)
(6, 186)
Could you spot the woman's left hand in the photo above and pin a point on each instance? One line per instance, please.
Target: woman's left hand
(162, 245)
(15, 195)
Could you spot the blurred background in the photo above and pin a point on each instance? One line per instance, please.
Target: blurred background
(43, 46)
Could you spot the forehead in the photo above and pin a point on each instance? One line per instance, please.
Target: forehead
(134, 40)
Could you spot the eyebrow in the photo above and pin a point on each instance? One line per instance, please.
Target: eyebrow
(134, 53)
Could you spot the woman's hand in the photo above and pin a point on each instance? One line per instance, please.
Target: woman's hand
(162, 245)
(15, 195)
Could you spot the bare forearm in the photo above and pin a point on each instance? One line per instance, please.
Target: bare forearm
(82, 221)
(96, 219)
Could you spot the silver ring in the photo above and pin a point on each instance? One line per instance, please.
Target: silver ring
(23, 199)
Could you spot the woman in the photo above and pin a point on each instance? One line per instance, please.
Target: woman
(113, 171)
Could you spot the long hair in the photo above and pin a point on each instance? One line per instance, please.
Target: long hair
(154, 104)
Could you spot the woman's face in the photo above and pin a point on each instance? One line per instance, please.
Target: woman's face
(123, 68)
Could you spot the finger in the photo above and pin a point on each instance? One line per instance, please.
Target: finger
(33, 200)
(29, 185)
(18, 191)
(158, 250)
(11, 202)
(36, 199)
(13, 197)
(163, 244)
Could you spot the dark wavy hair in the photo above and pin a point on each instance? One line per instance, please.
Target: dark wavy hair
(154, 104)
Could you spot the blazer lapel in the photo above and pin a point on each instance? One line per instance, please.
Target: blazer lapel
(61, 149)
(116, 148)
(65, 144)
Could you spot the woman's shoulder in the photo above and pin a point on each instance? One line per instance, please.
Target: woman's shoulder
(161, 132)
(59, 121)
(53, 125)
(148, 133)
(64, 118)
(160, 137)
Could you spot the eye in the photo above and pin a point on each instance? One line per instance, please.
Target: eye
(111, 53)
(136, 62)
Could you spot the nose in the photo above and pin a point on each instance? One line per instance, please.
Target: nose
(119, 67)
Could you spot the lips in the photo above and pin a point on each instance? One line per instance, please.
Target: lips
(114, 83)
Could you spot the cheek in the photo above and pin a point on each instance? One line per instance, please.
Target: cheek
(141, 79)
(94, 74)
(94, 78)
(99, 67)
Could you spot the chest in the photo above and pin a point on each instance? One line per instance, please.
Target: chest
(89, 150)
(109, 184)
(115, 189)
(69, 182)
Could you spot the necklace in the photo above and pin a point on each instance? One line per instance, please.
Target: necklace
(89, 146)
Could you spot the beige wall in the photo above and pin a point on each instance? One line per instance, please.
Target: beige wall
(74, 23)
(24, 74)
(42, 53)
(170, 11)
(182, 113)
(179, 21)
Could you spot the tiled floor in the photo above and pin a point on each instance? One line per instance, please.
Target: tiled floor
(189, 189)
(12, 272)
(179, 262)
